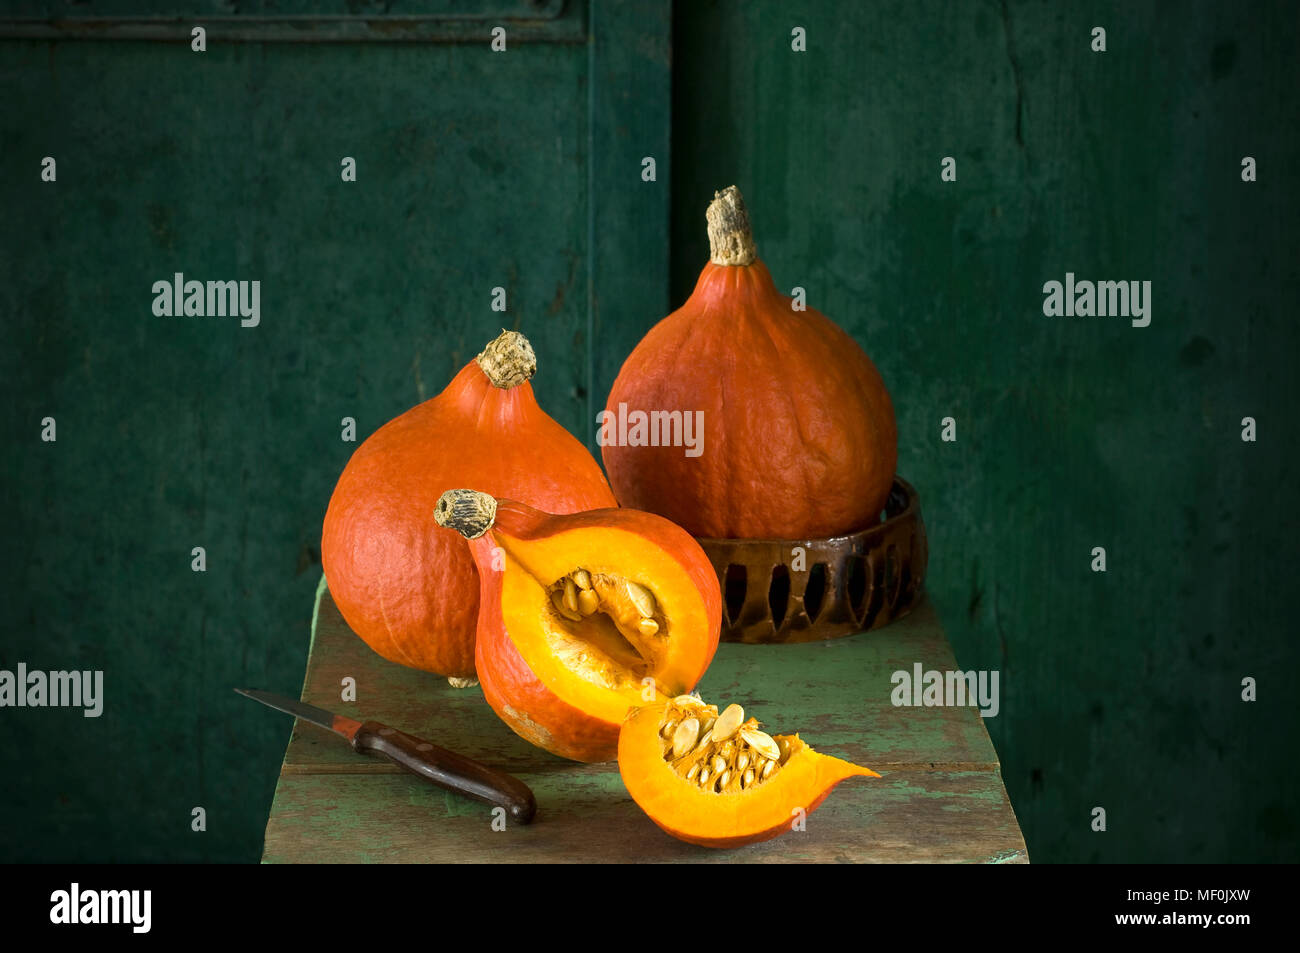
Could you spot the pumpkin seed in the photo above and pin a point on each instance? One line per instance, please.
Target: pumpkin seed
(704, 776)
(684, 736)
(747, 778)
(582, 578)
(761, 742)
(718, 764)
(768, 769)
(588, 602)
(557, 600)
(722, 781)
(695, 769)
(742, 762)
(641, 598)
(728, 722)
(705, 739)
(570, 595)
(648, 627)
(667, 730)
(691, 701)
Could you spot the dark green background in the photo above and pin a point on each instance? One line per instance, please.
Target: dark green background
(1119, 690)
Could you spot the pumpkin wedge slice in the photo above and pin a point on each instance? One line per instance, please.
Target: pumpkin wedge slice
(583, 617)
(715, 779)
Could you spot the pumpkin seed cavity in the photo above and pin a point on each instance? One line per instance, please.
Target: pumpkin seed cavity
(609, 630)
(720, 752)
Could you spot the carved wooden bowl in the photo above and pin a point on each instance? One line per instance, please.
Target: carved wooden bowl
(805, 590)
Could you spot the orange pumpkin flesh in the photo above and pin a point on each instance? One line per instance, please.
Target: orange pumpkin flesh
(566, 682)
(741, 812)
(799, 435)
(404, 584)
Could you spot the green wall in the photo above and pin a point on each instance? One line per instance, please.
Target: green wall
(1123, 689)
(523, 170)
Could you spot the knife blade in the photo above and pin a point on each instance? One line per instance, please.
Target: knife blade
(446, 769)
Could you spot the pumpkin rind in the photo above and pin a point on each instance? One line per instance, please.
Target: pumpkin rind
(404, 584)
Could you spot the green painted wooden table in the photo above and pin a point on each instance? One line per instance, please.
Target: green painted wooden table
(940, 798)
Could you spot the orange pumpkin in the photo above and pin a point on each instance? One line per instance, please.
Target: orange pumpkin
(714, 779)
(799, 437)
(403, 583)
(583, 617)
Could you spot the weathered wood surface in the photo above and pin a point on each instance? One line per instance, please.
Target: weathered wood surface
(584, 816)
(941, 797)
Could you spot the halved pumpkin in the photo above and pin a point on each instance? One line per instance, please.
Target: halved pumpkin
(715, 779)
(583, 616)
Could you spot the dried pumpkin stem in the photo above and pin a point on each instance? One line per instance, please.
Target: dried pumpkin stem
(731, 240)
(468, 512)
(508, 361)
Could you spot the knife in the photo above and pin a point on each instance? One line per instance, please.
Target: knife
(444, 768)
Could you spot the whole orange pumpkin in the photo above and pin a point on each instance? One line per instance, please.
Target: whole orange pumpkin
(798, 432)
(404, 584)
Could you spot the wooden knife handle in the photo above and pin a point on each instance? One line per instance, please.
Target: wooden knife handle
(448, 769)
